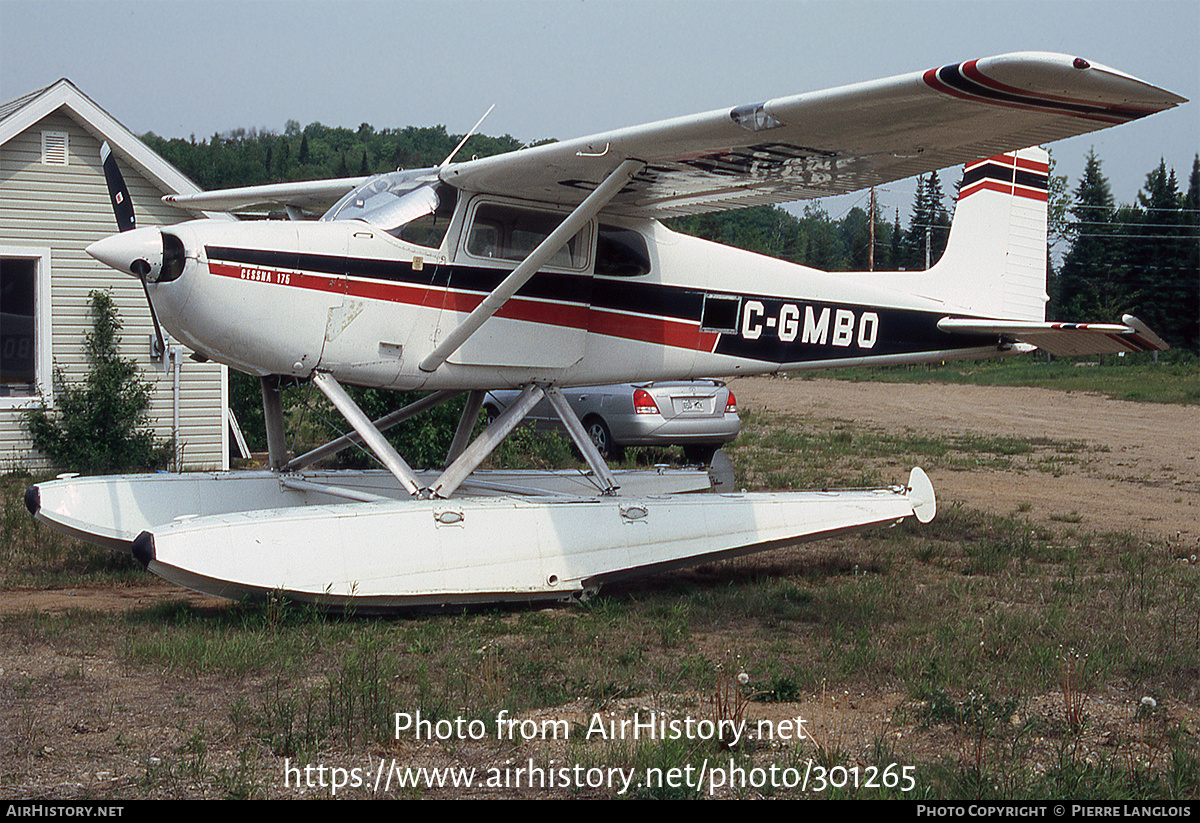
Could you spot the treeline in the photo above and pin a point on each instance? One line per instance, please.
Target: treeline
(1139, 258)
(252, 157)
(815, 239)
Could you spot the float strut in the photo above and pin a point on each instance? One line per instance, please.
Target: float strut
(486, 443)
(371, 436)
(582, 442)
(272, 399)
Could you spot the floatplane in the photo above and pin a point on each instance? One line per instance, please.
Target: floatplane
(548, 268)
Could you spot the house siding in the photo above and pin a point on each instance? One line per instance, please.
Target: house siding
(66, 208)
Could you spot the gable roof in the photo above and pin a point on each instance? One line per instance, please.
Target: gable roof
(25, 111)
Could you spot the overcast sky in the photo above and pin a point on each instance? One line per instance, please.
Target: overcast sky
(571, 68)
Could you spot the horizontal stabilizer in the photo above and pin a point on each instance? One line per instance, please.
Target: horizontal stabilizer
(1065, 339)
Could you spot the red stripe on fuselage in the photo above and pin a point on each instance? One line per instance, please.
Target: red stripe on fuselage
(643, 328)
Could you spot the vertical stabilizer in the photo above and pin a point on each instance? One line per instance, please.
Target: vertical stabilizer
(995, 259)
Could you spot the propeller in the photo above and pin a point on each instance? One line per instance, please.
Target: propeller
(122, 204)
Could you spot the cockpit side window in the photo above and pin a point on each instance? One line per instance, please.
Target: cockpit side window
(504, 232)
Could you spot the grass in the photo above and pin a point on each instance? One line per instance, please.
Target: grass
(1175, 379)
(842, 454)
(1002, 639)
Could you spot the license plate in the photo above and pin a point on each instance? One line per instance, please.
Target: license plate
(691, 405)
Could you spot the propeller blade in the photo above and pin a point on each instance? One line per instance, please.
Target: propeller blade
(118, 193)
(122, 204)
(160, 344)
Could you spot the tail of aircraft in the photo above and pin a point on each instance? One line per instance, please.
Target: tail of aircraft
(995, 259)
(994, 268)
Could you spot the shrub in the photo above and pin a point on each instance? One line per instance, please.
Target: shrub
(99, 426)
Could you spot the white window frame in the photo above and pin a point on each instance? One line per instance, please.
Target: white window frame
(43, 330)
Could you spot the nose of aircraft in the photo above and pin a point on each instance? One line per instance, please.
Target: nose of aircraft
(138, 252)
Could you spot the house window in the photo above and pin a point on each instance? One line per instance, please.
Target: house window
(54, 148)
(25, 361)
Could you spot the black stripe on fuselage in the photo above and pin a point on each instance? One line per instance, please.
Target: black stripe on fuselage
(897, 331)
(619, 294)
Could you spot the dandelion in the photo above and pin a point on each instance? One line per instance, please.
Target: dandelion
(743, 678)
(1149, 702)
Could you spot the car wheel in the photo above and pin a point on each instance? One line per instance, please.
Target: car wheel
(598, 431)
(699, 453)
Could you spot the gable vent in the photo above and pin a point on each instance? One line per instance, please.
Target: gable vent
(54, 148)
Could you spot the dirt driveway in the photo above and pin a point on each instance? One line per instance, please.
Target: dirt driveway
(1141, 472)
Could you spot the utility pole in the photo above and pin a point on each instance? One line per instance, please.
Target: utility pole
(871, 250)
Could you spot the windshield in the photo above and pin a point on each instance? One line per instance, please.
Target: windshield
(389, 200)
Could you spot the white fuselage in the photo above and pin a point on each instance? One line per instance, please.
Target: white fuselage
(278, 297)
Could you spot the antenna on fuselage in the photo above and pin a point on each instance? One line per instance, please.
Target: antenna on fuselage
(462, 142)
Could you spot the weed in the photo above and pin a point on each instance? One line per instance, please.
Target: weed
(1074, 697)
(729, 700)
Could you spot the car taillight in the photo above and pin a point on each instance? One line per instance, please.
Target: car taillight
(731, 404)
(643, 403)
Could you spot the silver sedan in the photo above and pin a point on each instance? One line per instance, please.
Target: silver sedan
(700, 415)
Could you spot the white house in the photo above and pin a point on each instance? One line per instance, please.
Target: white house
(53, 203)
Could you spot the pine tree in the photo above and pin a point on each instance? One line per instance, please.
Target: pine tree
(1090, 283)
(939, 218)
(1153, 258)
(929, 225)
(1191, 259)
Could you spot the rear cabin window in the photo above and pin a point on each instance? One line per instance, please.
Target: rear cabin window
(500, 232)
(621, 252)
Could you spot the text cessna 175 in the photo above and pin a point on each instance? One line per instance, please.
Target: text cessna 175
(548, 268)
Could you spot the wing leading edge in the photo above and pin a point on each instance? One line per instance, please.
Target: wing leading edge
(309, 195)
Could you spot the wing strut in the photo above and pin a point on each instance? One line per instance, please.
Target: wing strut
(558, 238)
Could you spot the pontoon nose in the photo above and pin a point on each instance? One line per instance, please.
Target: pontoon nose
(146, 252)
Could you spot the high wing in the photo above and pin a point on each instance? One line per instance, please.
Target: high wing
(309, 195)
(791, 148)
(828, 142)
